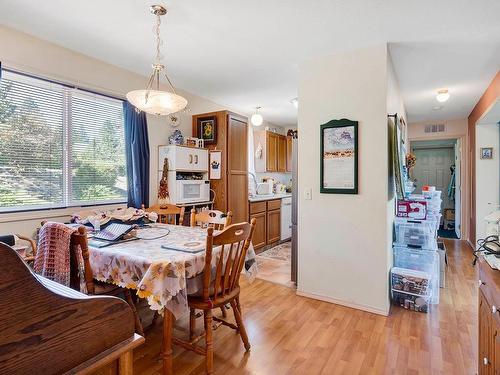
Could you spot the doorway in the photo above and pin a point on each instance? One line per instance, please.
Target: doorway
(438, 163)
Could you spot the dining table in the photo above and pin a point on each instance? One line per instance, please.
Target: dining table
(164, 264)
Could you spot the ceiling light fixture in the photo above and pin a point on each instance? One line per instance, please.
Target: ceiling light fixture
(257, 118)
(295, 102)
(442, 95)
(152, 99)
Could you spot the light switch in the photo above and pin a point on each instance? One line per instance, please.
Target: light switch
(308, 194)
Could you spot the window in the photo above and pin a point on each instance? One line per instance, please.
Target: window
(59, 146)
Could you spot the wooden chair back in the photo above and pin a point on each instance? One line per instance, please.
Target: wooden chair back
(79, 239)
(211, 218)
(169, 212)
(234, 241)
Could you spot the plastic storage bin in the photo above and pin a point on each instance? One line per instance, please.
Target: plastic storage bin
(423, 260)
(411, 289)
(416, 233)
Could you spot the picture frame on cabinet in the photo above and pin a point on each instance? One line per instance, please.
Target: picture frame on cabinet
(206, 129)
(339, 157)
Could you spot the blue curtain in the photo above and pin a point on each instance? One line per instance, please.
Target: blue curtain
(137, 154)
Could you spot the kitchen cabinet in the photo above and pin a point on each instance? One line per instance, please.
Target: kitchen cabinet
(289, 149)
(273, 226)
(273, 152)
(268, 222)
(281, 154)
(489, 320)
(231, 190)
(260, 232)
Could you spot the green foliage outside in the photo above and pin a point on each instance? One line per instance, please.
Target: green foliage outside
(31, 156)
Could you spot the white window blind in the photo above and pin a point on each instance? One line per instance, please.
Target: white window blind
(59, 146)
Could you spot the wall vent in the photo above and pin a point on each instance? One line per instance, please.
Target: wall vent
(435, 128)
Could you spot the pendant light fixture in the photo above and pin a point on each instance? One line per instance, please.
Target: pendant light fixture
(442, 95)
(152, 99)
(257, 118)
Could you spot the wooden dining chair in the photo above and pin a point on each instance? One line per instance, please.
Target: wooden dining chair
(10, 239)
(211, 218)
(94, 287)
(232, 245)
(168, 213)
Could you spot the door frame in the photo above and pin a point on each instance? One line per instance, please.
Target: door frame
(464, 163)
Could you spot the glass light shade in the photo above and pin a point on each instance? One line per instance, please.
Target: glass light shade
(442, 96)
(158, 102)
(256, 119)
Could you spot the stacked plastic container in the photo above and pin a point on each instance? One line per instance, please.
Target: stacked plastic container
(416, 258)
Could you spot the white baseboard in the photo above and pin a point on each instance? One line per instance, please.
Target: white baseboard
(343, 303)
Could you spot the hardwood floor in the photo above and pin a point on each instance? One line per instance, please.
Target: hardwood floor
(296, 335)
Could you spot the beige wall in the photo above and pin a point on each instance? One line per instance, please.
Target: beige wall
(344, 250)
(454, 129)
(29, 54)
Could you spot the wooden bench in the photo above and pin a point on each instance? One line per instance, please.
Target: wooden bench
(47, 328)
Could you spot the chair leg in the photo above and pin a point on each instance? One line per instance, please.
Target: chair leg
(128, 299)
(241, 327)
(192, 323)
(238, 305)
(223, 310)
(209, 364)
(155, 318)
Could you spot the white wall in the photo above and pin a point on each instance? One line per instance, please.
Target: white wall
(343, 241)
(29, 54)
(487, 175)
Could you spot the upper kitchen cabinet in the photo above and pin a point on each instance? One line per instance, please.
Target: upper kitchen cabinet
(289, 149)
(270, 152)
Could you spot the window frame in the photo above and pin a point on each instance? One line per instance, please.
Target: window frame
(67, 91)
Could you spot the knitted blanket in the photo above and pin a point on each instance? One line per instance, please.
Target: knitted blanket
(53, 254)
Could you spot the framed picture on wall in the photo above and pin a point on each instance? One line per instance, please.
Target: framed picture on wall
(206, 129)
(486, 153)
(339, 157)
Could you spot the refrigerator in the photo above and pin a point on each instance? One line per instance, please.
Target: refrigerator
(295, 195)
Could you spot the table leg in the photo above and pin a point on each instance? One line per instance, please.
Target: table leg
(168, 323)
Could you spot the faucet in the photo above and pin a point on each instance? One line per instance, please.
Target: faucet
(254, 181)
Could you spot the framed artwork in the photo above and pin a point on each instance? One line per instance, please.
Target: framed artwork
(206, 129)
(339, 157)
(486, 153)
(402, 125)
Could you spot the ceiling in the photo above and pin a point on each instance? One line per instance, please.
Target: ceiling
(244, 54)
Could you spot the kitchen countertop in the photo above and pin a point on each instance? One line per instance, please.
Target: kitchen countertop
(259, 198)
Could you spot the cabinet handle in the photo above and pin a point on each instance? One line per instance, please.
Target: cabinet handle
(494, 309)
(196, 159)
(485, 361)
(190, 159)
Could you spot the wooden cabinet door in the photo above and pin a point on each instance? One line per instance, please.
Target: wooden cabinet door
(271, 152)
(495, 343)
(273, 226)
(289, 150)
(260, 231)
(237, 168)
(281, 153)
(484, 360)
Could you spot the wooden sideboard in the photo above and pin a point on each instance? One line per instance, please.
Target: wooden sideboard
(489, 320)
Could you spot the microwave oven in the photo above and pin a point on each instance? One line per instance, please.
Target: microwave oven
(191, 191)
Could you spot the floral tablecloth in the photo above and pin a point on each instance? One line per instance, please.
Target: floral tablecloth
(164, 277)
